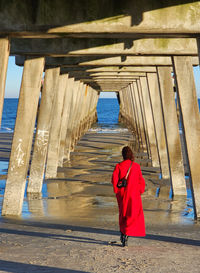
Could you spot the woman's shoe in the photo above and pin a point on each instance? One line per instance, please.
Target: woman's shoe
(121, 237)
(125, 240)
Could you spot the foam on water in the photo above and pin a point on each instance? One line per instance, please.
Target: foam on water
(6, 129)
(108, 130)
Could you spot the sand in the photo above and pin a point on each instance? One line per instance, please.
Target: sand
(73, 226)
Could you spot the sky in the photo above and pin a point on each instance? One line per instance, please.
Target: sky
(14, 76)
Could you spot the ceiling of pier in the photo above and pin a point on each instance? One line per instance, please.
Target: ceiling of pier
(100, 18)
(110, 36)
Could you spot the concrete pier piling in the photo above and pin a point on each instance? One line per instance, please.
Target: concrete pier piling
(142, 115)
(55, 131)
(23, 135)
(70, 128)
(177, 174)
(83, 116)
(131, 114)
(141, 99)
(42, 133)
(4, 54)
(76, 114)
(136, 129)
(150, 122)
(190, 122)
(80, 109)
(139, 116)
(159, 123)
(65, 118)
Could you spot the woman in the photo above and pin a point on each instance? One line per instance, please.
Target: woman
(131, 216)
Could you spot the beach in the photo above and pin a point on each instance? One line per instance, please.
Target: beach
(73, 225)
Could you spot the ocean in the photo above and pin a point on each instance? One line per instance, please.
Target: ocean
(9, 115)
(107, 111)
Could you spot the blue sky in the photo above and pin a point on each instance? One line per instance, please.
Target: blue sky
(14, 75)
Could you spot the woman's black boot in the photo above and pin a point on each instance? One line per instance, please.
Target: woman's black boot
(125, 240)
(121, 237)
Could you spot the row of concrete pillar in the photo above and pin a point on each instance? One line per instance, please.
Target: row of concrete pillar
(66, 110)
(148, 107)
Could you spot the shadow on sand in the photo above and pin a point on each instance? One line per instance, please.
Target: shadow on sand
(74, 238)
(15, 267)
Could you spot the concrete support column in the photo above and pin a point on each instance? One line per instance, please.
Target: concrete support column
(77, 113)
(129, 108)
(139, 114)
(91, 108)
(4, 55)
(123, 111)
(137, 125)
(54, 137)
(124, 103)
(42, 133)
(121, 106)
(82, 113)
(70, 127)
(23, 135)
(120, 118)
(93, 105)
(132, 114)
(159, 123)
(191, 122)
(128, 105)
(97, 94)
(144, 127)
(80, 110)
(126, 108)
(65, 119)
(172, 131)
(85, 109)
(150, 122)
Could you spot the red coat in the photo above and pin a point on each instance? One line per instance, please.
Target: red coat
(131, 216)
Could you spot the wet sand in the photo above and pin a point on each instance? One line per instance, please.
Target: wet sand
(73, 225)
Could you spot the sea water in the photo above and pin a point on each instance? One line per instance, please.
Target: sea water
(107, 111)
(9, 115)
(108, 115)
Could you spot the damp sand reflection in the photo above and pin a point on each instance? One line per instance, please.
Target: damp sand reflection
(82, 193)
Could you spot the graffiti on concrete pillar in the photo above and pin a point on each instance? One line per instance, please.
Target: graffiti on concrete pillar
(18, 156)
(42, 141)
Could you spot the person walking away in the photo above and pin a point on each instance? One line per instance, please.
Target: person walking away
(131, 216)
